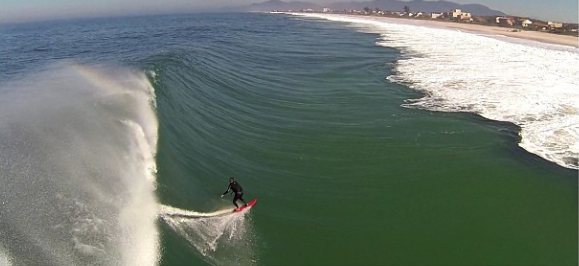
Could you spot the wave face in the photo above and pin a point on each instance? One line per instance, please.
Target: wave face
(529, 84)
(300, 112)
(77, 148)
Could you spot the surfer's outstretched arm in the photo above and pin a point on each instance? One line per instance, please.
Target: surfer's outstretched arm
(228, 188)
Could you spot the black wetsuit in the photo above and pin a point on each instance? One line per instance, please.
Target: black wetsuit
(237, 190)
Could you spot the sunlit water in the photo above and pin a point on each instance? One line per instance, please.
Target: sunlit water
(530, 84)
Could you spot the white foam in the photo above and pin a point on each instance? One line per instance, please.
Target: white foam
(141, 235)
(221, 237)
(530, 84)
(173, 211)
(5, 259)
(78, 166)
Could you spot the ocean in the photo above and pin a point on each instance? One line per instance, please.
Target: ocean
(365, 142)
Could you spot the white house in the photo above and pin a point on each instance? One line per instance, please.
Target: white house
(436, 15)
(526, 23)
(555, 25)
(457, 14)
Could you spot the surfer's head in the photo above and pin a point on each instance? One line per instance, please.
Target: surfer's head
(231, 180)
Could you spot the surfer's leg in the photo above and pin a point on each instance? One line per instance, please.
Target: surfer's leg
(235, 198)
(241, 198)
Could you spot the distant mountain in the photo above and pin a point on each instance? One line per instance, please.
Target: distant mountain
(280, 5)
(419, 5)
(392, 5)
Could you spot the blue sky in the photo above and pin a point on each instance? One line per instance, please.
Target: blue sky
(28, 10)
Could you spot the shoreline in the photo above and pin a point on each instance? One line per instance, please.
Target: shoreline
(438, 59)
(543, 37)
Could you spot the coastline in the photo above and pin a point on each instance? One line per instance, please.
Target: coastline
(456, 52)
(544, 37)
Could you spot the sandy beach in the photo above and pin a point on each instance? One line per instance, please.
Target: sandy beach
(529, 35)
(544, 37)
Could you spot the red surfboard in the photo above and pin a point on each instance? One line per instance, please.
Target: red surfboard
(249, 204)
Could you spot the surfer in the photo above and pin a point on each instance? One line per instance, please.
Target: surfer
(237, 190)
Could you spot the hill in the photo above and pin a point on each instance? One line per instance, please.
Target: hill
(392, 5)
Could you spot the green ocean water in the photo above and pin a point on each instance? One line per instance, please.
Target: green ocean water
(343, 174)
(300, 112)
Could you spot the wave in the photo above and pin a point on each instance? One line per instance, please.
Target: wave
(529, 84)
(176, 212)
(77, 148)
(221, 237)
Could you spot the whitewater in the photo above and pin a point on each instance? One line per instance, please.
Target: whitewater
(530, 84)
(77, 155)
(221, 237)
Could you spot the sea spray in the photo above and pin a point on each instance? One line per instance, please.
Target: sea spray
(77, 147)
(220, 237)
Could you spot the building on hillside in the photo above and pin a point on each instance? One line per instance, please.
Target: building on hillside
(435, 15)
(555, 25)
(457, 14)
(326, 10)
(539, 25)
(526, 23)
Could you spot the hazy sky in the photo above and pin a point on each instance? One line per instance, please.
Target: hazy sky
(27, 10)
